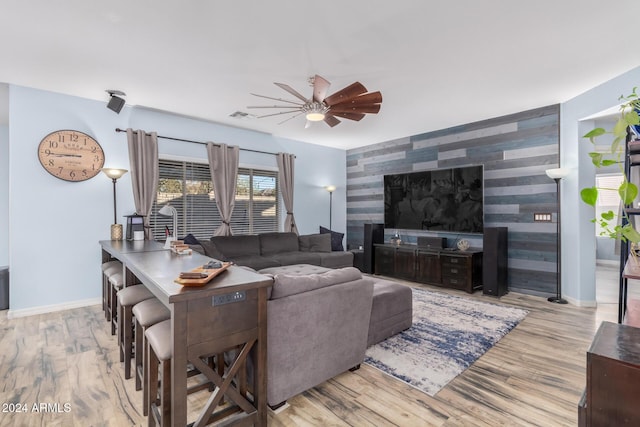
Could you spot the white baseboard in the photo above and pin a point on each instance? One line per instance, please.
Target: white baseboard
(13, 314)
(610, 262)
(580, 303)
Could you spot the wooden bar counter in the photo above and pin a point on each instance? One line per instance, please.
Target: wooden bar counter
(228, 312)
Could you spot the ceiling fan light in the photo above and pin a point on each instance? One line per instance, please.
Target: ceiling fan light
(315, 117)
(315, 111)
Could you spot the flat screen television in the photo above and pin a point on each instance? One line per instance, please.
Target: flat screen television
(447, 200)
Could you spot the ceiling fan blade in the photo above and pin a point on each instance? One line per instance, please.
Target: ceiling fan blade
(292, 117)
(330, 120)
(320, 88)
(348, 92)
(290, 107)
(278, 99)
(368, 98)
(346, 108)
(351, 116)
(292, 91)
(281, 113)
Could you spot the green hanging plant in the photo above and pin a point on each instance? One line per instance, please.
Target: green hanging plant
(627, 190)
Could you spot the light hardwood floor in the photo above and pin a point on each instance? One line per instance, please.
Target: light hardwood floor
(533, 377)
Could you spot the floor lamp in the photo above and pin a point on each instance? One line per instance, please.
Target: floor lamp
(557, 175)
(330, 189)
(115, 174)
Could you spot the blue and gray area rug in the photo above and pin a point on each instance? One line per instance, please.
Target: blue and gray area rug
(449, 333)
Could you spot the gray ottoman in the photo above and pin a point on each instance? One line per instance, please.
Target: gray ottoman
(295, 269)
(392, 310)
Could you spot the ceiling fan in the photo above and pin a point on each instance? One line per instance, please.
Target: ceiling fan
(351, 103)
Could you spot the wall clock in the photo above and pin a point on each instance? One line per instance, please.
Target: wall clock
(71, 155)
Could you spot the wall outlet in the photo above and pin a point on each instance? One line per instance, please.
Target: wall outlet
(542, 217)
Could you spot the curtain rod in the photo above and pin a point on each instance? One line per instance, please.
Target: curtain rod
(201, 143)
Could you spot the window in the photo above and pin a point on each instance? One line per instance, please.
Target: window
(187, 187)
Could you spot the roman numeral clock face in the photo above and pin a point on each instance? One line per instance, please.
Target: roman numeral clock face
(71, 155)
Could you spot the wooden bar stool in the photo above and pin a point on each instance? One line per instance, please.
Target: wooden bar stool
(109, 268)
(158, 355)
(159, 352)
(147, 313)
(116, 282)
(127, 299)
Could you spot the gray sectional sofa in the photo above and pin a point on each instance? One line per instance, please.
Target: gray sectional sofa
(320, 322)
(266, 250)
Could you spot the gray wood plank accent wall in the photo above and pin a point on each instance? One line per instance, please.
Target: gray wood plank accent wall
(515, 151)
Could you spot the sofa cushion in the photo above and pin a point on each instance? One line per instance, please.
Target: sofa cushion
(286, 284)
(275, 243)
(235, 246)
(297, 257)
(336, 238)
(256, 262)
(315, 243)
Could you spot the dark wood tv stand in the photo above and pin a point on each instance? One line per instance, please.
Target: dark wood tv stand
(439, 267)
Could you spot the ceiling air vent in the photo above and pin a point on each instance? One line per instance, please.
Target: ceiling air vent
(241, 115)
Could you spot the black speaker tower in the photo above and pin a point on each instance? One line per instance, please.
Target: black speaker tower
(373, 233)
(494, 261)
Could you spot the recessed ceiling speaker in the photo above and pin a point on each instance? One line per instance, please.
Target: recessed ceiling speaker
(115, 102)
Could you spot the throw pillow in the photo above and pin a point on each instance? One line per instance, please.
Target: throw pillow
(315, 243)
(304, 242)
(336, 238)
(190, 239)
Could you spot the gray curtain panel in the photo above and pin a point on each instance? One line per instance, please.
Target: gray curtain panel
(223, 163)
(285, 177)
(143, 161)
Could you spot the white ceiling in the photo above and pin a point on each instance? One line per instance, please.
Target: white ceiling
(437, 64)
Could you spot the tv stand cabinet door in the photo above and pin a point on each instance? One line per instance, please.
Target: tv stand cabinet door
(405, 264)
(429, 268)
(385, 260)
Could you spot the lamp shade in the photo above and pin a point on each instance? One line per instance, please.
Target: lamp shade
(114, 173)
(557, 173)
(330, 188)
(168, 210)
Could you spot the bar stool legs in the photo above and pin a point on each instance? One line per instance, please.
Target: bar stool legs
(159, 358)
(146, 313)
(127, 299)
(116, 282)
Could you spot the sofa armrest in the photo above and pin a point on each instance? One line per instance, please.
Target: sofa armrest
(198, 248)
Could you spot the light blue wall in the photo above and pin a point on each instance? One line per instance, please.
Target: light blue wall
(4, 196)
(56, 225)
(578, 234)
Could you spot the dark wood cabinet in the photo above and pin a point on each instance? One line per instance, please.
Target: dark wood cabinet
(451, 269)
(385, 260)
(405, 264)
(462, 270)
(429, 267)
(613, 378)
